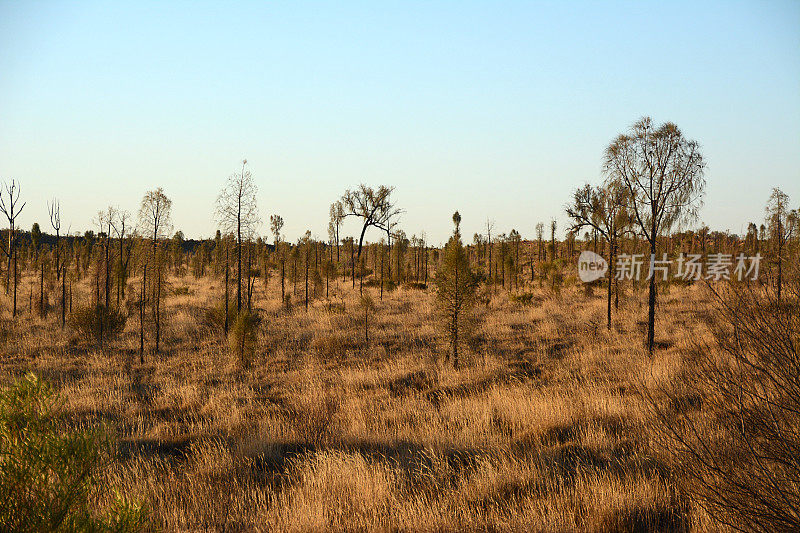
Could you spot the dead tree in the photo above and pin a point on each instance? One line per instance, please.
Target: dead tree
(11, 208)
(605, 210)
(54, 208)
(237, 213)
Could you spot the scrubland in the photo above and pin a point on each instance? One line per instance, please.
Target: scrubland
(547, 425)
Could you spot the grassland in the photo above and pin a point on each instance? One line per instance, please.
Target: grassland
(545, 427)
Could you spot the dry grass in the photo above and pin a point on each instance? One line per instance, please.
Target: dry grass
(545, 428)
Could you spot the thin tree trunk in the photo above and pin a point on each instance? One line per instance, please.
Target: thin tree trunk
(158, 307)
(306, 273)
(651, 303)
(41, 290)
(227, 290)
(610, 282)
(14, 313)
(142, 302)
(63, 298)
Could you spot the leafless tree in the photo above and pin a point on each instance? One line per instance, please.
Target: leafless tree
(373, 207)
(663, 174)
(337, 217)
(156, 221)
(121, 226)
(489, 228)
(54, 208)
(11, 208)
(155, 216)
(237, 213)
(604, 209)
(105, 221)
(540, 238)
(275, 226)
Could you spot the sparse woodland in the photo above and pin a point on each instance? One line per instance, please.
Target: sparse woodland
(378, 382)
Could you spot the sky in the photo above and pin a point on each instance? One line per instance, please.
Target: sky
(496, 109)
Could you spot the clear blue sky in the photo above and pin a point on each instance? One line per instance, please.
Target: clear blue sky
(496, 109)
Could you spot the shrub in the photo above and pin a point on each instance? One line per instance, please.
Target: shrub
(48, 475)
(97, 322)
(242, 336)
(742, 462)
(214, 317)
(524, 298)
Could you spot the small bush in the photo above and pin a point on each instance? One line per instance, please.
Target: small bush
(48, 475)
(182, 291)
(524, 298)
(97, 322)
(741, 460)
(242, 336)
(214, 318)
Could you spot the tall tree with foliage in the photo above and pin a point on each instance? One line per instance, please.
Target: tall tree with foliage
(782, 224)
(456, 288)
(662, 172)
(375, 208)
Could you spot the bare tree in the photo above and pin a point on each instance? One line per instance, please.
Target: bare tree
(156, 222)
(10, 207)
(237, 213)
(337, 217)
(54, 209)
(121, 226)
(540, 238)
(105, 221)
(374, 208)
(604, 209)
(663, 174)
(275, 226)
(489, 228)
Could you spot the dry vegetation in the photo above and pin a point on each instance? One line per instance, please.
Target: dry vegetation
(546, 426)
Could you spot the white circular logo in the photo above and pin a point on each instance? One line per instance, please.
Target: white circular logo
(591, 266)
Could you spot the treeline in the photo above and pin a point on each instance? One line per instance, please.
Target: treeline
(653, 183)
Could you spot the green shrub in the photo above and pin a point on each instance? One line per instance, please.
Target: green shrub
(97, 322)
(214, 317)
(182, 291)
(48, 474)
(242, 336)
(522, 298)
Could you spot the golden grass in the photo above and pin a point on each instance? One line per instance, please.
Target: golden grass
(545, 427)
